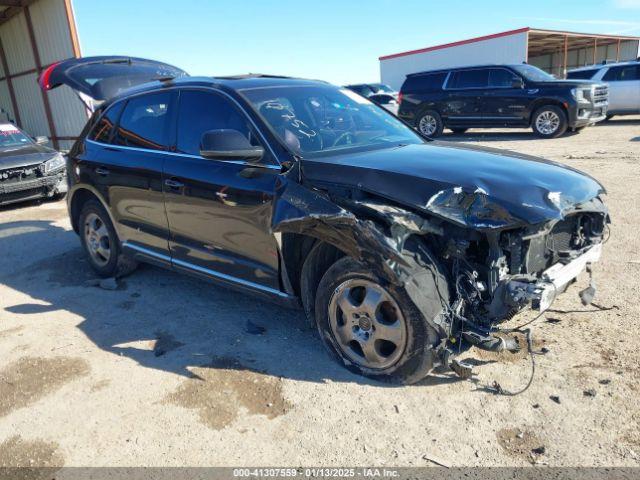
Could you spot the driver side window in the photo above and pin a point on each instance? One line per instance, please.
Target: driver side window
(201, 111)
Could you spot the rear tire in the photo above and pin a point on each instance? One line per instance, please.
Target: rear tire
(100, 242)
(389, 340)
(549, 121)
(429, 123)
(458, 131)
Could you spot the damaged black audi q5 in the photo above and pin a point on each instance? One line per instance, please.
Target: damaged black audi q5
(399, 249)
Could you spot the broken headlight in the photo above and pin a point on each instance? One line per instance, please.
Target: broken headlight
(53, 164)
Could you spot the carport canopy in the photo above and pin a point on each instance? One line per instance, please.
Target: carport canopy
(566, 50)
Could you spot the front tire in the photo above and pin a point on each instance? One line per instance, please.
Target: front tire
(549, 121)
(100, 242)
(372, 327)
(429, 123)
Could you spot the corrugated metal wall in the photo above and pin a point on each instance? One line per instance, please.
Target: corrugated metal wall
(53, 32)
(507, 49)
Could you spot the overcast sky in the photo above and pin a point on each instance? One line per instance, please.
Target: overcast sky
(338, 41)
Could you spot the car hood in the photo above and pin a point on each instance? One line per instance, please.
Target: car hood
(16, 157)
(476, 187)
(572, 82)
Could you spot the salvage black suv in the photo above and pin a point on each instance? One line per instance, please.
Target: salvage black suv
(402, 251)
(499, 96)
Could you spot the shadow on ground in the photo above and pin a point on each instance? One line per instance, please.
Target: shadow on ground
(489, 135)
(164, 320)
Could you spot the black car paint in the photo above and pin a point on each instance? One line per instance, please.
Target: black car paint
(24, 186)
(415, 175)
(227, 220)
(491, 107)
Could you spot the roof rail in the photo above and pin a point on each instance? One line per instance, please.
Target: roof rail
(251, 75)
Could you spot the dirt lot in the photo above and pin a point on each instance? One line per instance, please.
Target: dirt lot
(162, 371)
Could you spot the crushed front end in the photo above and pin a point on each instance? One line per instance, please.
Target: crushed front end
(497, 272)
(30, 182)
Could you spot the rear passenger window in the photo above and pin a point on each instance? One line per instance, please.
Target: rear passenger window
(145, 122)
(581, 74)
(431, 82)
(102, 130)
(622, 73)
(469, 79)
(200, 112)
(501, 78)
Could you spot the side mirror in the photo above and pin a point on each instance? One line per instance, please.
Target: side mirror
(226, 144)
(517, 83)
(42, 140)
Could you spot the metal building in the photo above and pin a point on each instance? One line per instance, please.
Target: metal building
(33, 35)
(553, 51)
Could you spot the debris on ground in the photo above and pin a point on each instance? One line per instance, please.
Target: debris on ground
(604, 381)
(555, 398)
(437, 462)
(104, 283)
(589, 393)
(538, 450)
(520, 443)
(497, 388)
(165, 342)
(254, 329)
(109, 284)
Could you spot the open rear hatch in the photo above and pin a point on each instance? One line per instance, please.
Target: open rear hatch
(97, 79)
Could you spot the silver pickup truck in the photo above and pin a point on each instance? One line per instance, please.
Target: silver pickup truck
(624, 85)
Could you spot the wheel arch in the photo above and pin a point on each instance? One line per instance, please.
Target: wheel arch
(80, 195)
(543, 102)
(306, 258)
(425, 107)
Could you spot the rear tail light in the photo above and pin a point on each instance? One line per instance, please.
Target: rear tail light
(45, 78)
(399, 98)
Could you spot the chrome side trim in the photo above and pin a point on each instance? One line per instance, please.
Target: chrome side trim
(146, 251)
(208, 272)
(229, 278)
(183, 155)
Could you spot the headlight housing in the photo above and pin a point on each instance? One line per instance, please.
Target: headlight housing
(56, 163)
(580, 94)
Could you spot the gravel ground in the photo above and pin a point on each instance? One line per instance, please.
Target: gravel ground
(162, 370)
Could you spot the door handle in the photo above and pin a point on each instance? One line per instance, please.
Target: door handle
(173, 183)
(102, 171)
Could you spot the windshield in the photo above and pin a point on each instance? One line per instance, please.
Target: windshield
(533, 73)
(312, 120)
(10, 137)
(381, 87)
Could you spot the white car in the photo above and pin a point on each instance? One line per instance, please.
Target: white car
(624, 85)
(378, 93)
